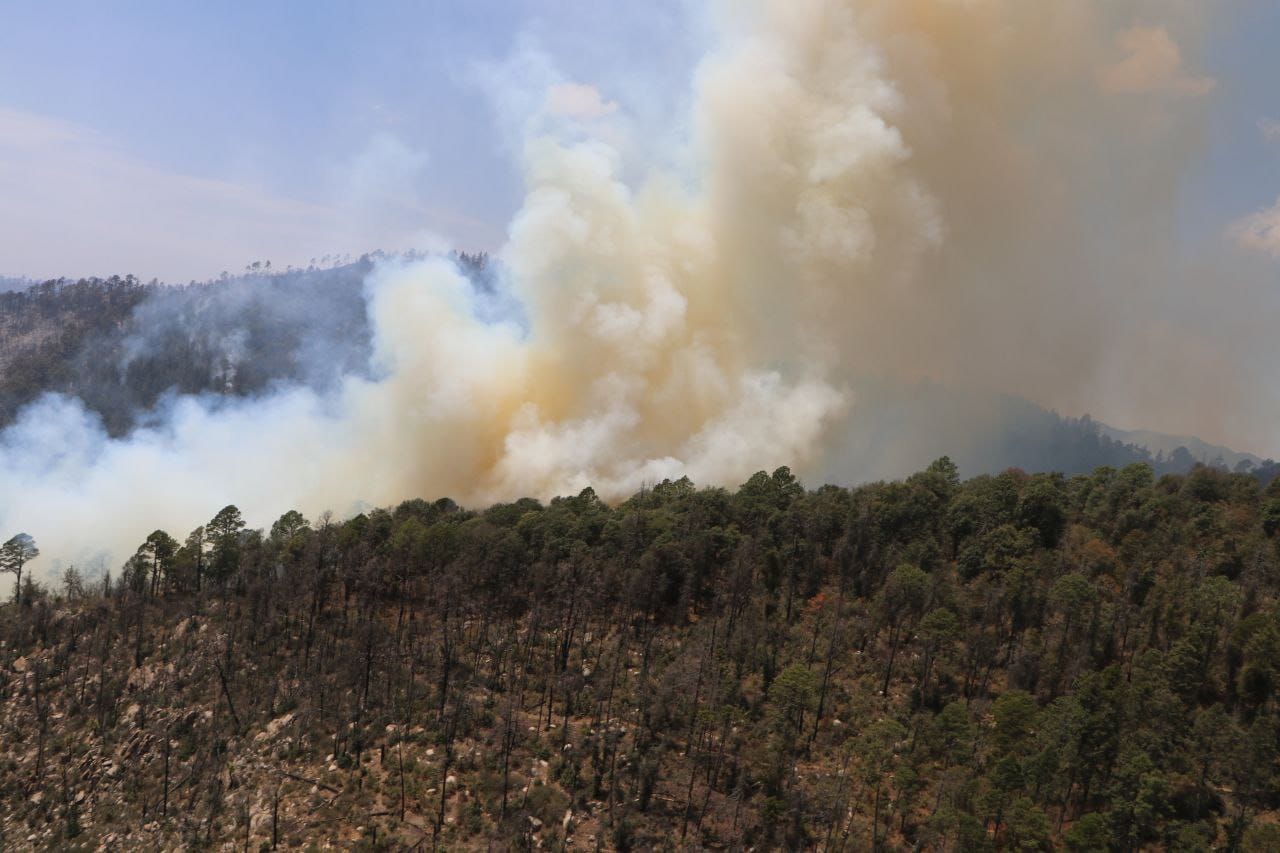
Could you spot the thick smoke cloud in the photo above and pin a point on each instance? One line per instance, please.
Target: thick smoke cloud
(980, 193)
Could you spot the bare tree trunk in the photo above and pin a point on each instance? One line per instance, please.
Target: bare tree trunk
(164, 803)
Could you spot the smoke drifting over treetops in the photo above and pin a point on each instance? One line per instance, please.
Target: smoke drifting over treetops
(982, 193)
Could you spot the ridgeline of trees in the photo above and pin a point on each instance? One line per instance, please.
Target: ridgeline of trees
(1017, 662)
(120, 345)
(44, 328)
(1044, 440)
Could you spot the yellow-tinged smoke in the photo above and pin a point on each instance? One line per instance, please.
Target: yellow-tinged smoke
(977, 191)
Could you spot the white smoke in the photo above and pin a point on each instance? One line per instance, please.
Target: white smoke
(867, 185)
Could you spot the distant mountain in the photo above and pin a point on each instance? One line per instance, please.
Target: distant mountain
(1202, 451)
(894, 424)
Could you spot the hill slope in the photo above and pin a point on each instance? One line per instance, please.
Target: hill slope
(1014, 662)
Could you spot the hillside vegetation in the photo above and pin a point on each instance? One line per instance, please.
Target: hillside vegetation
(121, 347)
(1014, 662)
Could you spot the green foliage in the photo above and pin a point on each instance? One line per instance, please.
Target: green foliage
(794, 692)
(1015, 714)
(288, 526)
(223, 533)
(1089, 834)
(15, 553)
(1027, 827)
(1271, 517)
(940, 626)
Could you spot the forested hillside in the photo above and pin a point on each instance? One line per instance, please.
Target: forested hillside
(120, 345)
(1016, 662)
(45, 327)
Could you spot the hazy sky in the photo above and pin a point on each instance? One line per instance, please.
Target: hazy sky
(177, 140)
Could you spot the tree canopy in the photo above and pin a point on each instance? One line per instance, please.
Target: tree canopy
(1013, 662)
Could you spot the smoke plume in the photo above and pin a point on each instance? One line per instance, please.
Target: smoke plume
(979, 193)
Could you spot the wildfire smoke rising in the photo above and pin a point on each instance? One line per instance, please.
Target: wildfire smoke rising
(920, 187)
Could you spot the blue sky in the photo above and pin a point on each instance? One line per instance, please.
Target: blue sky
(180, 139)
(1242, 172)
(336, 126)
